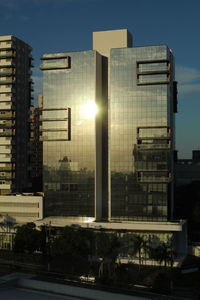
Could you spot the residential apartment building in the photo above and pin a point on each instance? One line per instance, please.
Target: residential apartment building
(15, 101)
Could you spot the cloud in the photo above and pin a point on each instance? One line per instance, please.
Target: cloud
(188, 80)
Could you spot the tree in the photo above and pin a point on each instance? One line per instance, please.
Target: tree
(72, 242)
(138, 244)
(71, 249)
(108, 246)
(163, 253)
(27, 238)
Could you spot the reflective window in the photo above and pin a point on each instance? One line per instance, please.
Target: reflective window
(69, 166)
(140, 134)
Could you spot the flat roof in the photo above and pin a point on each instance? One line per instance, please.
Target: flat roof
(176, 225)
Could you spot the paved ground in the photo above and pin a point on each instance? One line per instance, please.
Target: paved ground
(23, 294)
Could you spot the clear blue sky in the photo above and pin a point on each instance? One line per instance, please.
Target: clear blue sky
(66, 25)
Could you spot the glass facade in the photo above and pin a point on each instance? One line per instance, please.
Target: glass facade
(141, 133)
(69, 133)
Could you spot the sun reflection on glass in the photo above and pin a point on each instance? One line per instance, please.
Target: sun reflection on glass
(90, 110)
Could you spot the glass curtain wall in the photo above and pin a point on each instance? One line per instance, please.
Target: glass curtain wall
(68, 133)
(141, 133)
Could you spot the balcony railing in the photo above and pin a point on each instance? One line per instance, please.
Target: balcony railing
(7, 133)
(6, 141)
(6, 54)
(5, 63)
(8, 72)
(7, 125)
(7, 81)
(154, 179)
(5, 150)
(7, 116)
(7, 98)
(6, 177)
(152, 166)
(5, 46)
(9, 168)
(6, 158)
(7, 105)
(7, 90)
(153, 146)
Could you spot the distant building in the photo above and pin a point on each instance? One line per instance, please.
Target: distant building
(35, 151)
(188, 170)
(21, 209)
(17, 210)
(15, 101)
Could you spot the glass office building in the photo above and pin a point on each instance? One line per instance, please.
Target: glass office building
(71, 134)
(112, 170)
(142, 102)
(135, 92)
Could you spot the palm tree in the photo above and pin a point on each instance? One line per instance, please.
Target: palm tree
(139, 245)
(108, 248)
(163, 253)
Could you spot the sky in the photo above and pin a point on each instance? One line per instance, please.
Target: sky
(67, 25)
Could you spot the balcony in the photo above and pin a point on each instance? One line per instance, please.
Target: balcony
(6, 141)
(153, 146)
(7, 81)
(151, 166)
(7, 132)
(7, 72)
(7, 90)
(161, 176)
(7, 105)
(7, 54)
(5, 186)
(7, 176)
(154, 179)
(5, 150)
(53, 64)
(7, 167)
(6, 45)
(7, 98)
(6, 158)
(7, 63)
(7, 124)
(8, 115)
(47, 139)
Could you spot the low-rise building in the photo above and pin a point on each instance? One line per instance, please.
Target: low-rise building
(21, 209)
